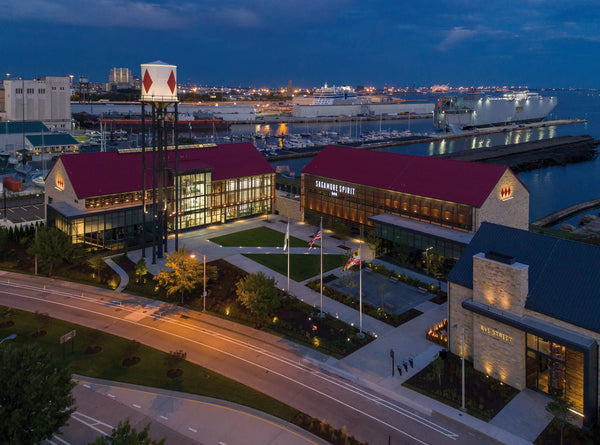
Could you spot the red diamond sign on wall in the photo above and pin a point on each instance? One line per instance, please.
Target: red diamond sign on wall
(147, 81)
(172, 82)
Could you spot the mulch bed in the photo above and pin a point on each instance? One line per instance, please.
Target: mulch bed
(131, 361)
(7, 324)
(174, 373)
(484, 396)
(439, 298)
(91, 350)
(37, 334)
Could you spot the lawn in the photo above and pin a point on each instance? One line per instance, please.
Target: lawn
(260, 236)
(302, 267)
(150, 371)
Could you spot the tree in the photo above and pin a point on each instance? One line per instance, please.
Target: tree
(35, 395)
(51, 246)
(560, 409)
(141, 269)
(41, 321)
(97, 263)
(438, 369)
(124, 434)
(342, 230)
(186, 274)
(258, 294)
(373, 241)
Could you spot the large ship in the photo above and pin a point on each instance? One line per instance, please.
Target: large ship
(335, 96)
(478, 110)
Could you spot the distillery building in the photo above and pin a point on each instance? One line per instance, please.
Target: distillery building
(529, 307)
(96, 198)
(421, 202)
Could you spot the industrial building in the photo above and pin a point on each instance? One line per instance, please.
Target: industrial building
(96, 198)
(526, 307)
(421, 202)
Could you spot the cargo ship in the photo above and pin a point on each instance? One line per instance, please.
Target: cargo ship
(477, 110)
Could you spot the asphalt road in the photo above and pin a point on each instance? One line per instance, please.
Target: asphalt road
(265, 362)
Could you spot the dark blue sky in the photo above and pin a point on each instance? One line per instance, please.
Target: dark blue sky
(539, 43)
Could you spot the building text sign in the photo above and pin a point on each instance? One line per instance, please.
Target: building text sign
(335, 188)
(491, 332)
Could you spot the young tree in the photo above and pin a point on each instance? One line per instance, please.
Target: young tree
(141, 269)
(51, 247)
(125, 434)
(185, 274)
(258, 294)
(41, 320)
(438, 369)
(560, 409)
(373, 241)
(175, 357)
(97, 263)
(35, 395)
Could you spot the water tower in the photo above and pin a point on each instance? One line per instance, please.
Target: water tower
(159, 91)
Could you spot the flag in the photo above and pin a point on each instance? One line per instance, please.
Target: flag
(353, 261)
(316, 237)
(286, 240)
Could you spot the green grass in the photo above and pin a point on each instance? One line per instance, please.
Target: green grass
(260, 236)
(302, 267)
(150, 371)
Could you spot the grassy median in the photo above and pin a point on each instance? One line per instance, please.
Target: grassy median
(258, 237)
(97, 354)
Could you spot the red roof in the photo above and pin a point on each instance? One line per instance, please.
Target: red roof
(445, 179)
(96, 174)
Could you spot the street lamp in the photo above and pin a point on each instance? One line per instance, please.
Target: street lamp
(10, 337)
(462, 353)
(204, 278)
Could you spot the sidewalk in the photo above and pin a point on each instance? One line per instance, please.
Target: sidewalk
(370, 366)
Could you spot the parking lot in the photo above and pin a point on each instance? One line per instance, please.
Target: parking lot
(23, 214)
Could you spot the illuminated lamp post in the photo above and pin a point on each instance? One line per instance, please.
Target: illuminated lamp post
(462, 353)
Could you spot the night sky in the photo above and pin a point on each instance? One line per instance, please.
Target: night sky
(268, 42)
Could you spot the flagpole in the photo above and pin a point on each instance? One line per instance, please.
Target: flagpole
(360, 283)
(322, 239)
(288, 246)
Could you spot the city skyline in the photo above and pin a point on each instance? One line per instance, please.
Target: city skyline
(540, 44)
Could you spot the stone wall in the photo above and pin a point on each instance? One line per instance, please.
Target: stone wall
(499, 351)
(503, 286)
(457, 315)
(508, 209)
(289, 208)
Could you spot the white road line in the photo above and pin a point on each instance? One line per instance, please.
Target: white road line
(364, 394)
(192, 430)
(111, 396)
(60, 440)
(76, 415)
(136, 406)
(163, 417)
(85, 385)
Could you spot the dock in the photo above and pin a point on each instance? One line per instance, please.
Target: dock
(564, 214)
(532, 155)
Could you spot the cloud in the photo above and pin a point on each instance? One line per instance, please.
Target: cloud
(456, 35)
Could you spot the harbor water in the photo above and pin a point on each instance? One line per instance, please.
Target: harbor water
(551, 188)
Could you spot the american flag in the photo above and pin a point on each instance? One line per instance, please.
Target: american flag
(317, 236)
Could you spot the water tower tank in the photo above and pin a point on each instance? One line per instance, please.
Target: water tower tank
(159, 82)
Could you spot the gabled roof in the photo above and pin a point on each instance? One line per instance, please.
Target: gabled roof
(20, 127)
(51, 140)
(96, 174)
(448, 180)
(564, 282)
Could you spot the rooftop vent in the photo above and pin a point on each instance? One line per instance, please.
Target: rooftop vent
(500, 257)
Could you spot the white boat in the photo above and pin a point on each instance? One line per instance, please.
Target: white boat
(38, 181)
(334, 95)
(476, 110)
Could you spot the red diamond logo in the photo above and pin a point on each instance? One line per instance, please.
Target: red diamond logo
(172, 82)
(147, 81)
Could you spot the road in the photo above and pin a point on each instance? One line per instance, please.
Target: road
(262, 361)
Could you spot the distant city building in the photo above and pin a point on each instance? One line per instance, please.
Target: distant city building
(120, 75)
(290, 89)
(45, 99)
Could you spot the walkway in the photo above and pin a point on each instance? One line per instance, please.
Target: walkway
(122, 274)
(370, 366)
(566, 213)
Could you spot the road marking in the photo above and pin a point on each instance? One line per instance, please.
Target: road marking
(60, 440)
(192, 430)
(222, 443)
(136, 406)
(110, 395)
(163, 417)
(415, 417)
(86, 385)
(90, 422)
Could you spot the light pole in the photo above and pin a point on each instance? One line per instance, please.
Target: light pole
(204, 279)
(462, 353)
(10, 337)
